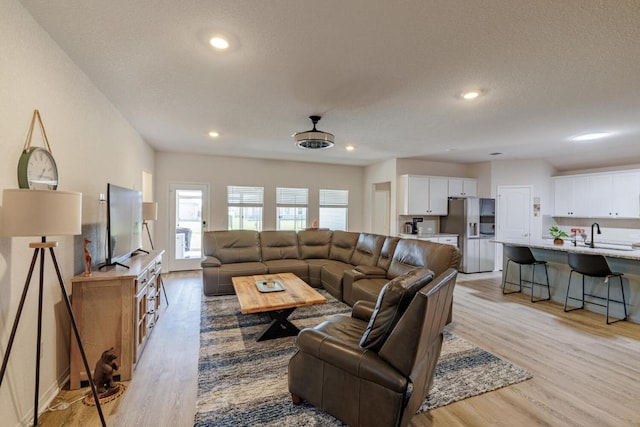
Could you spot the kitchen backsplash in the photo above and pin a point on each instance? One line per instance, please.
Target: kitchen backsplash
(610, 234)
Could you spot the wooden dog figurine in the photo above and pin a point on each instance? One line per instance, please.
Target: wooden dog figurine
(103, 373)
(87, 259)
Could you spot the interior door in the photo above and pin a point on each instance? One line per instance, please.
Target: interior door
(188, 214)
(514, 211)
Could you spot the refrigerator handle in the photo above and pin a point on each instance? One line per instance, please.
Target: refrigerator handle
(473, 229)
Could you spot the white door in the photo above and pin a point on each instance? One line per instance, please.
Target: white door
(513, 216)
(188, 214)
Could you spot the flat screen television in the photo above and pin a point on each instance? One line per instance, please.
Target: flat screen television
(124, 223)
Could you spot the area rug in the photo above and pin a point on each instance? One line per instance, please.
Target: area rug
(242, 382)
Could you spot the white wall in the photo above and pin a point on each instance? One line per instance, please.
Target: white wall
(423, 167)
(92, 145)
(482, 173)
(219, 172)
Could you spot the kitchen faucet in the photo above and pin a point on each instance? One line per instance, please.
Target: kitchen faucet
(592, 237)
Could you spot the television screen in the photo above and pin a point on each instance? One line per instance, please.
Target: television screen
(124, 223)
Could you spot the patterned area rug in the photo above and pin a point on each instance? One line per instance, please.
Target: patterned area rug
(242, 382)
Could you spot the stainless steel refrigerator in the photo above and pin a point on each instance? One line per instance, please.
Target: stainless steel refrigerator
(473, 220)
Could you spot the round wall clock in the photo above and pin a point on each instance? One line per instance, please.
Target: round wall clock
(37, 169)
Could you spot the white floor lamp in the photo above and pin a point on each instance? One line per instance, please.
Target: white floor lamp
(43, 213)
(150, 213)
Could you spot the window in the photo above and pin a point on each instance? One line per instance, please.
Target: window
(245, 207)
(334, 209)
(291, 208)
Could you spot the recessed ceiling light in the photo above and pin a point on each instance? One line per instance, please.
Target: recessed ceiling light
(590, 136)
(214, 134)
(219, 42)
(349, 148)
(470, 95)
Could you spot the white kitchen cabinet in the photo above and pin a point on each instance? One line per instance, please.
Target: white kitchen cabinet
(614, 195)
(449, 240)
(423, 195)
(571, 196)
(463, 187)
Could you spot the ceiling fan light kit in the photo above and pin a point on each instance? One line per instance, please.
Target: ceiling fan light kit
(314, 139)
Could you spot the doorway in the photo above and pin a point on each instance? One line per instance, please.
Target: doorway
(380, 221)
(188, 214)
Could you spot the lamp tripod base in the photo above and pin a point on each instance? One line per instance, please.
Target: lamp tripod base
(39, 249)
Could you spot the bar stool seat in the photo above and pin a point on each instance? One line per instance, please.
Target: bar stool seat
(592, 265)
(522, 255)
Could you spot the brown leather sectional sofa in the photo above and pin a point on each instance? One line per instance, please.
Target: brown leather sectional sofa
(351, 266)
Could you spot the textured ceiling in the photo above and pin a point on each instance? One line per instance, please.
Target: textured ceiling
(384, 75)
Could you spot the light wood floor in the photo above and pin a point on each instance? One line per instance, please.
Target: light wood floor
(585, 373)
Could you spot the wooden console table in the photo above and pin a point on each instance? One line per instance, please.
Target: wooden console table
(117, 307)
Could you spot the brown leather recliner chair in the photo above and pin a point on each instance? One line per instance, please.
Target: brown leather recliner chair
(376, 367)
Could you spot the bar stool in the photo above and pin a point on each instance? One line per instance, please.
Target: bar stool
(522, 255)
(594, 266)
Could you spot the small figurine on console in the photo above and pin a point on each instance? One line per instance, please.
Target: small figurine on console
(103, 373)
(87, 259)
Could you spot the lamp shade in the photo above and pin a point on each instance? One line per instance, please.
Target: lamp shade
(150, 211)
(41, 212)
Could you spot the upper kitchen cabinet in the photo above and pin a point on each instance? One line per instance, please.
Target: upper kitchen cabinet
(423, 195)
(598, 195)
(570, 196)
(614, 195)
(463, 187)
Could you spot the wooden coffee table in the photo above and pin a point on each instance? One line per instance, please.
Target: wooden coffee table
(278, 305)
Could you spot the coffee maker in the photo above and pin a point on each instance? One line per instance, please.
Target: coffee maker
(414, 225)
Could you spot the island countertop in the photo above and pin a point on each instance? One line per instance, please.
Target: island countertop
(608, 250)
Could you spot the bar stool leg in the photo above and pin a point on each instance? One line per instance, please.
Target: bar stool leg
(624, 303)
(566, 297)
(520, 281)
(546, 272)
(504, 279)
(533, 280)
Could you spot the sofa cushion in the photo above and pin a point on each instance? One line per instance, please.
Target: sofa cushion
(411, 253)
(279, 245)
(296, 266)
(367, 249)
(314, 244)
(315, 268)
(392, 302)
(217, 280)
(231, 246)
(331, 275)
(343, 243)
(366, 289)
(386, 254)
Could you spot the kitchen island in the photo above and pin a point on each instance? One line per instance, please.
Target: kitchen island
(621, 258)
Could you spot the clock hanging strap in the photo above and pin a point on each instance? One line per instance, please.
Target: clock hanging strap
(36, 116)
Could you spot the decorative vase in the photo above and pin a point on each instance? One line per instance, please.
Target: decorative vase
(558, 241)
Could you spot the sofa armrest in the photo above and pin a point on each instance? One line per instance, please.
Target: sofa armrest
(371, 271)
(210, 261)
(350, 358)
(363, 310)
